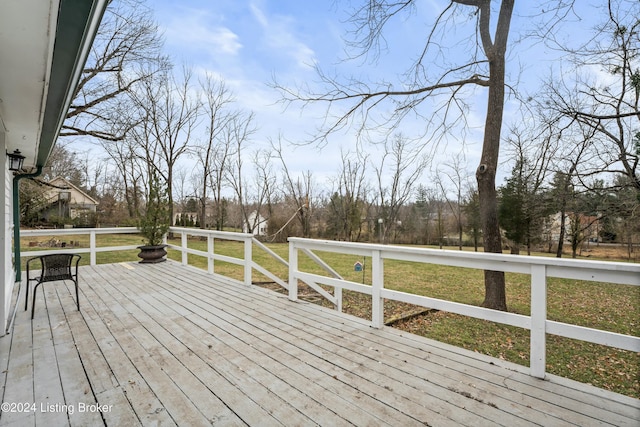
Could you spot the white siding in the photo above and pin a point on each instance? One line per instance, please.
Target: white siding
(260, 224)
(6, 252)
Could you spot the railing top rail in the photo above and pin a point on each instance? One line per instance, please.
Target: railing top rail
(228, 235)
(493, 260)
(74, 231)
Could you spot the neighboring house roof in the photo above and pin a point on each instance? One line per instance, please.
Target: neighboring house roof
(43, 48)
(77, 195)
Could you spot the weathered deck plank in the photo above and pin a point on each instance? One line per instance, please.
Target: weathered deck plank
(198, 396)
(313, 409)
(357, 362)
(169, 345)
(338, 380)
(262, 346)
(18, 388)
(103, 385)
(75, 383)
(463, 375)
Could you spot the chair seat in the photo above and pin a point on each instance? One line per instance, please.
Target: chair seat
(54, 267)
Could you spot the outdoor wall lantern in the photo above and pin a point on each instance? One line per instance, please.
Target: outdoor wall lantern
(15, 160)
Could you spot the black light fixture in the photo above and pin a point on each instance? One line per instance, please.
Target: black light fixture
(15, 160)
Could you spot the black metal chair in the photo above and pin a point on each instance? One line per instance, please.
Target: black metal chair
(54, 267)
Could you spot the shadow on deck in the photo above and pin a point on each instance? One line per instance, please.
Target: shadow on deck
(170, 345)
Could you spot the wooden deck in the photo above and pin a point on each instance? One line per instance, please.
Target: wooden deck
(166, 345)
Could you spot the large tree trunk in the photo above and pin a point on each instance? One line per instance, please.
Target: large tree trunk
(494, 283)
(495, 295)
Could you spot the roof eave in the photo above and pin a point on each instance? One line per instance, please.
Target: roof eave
(78, 22)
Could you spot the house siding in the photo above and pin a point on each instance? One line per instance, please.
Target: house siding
(260, 224)
(6, 251)
(76, 204)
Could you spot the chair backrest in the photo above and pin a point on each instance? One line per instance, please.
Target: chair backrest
(56, 267)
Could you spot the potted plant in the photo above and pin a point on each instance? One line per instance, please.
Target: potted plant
(155, 223)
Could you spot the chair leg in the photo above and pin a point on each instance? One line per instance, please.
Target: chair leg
(33, 303)
(77, 296)
(26, 296)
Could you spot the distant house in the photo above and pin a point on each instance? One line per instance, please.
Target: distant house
(588, 227)
(65, 200)
(258, 222)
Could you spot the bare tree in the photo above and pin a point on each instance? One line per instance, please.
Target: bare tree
(601, 99)
(298, 190)
(264, 186)
(170, 112)
(213, 152)
(455, 172)
(126, 52)
(65, 162)
(533, 151)
(404, 165)
(472, 211)
(239, 131)
(130, 171)
(220, 163)
(182, 189)
(485, 67)
(424, 208)
(347, 204)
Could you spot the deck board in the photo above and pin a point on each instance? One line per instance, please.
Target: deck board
(170, 345)
(277, 382)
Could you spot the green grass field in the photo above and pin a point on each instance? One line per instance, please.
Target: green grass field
(609, 307)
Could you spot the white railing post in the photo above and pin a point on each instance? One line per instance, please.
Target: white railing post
(248, 260)
(538, 321)
(377, 283)
(92, 247)
(210, 253)
(183, 247)
(338, 294)
(293, 269)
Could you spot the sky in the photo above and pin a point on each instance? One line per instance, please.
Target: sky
(249, 43)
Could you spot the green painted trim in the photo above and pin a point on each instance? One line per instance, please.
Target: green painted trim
(16, 220)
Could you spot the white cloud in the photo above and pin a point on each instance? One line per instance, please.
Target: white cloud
(196, 30)
(225, 40)
(280, 37)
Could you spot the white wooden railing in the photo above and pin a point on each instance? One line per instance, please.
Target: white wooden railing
(92, 250)
(539, 268)
(182, 247)
(210, 254)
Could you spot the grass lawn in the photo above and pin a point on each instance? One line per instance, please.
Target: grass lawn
(604, 306)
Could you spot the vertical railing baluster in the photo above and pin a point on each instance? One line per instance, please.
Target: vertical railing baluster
(92, 247)
(538, 337)
(293, 270)
(210, 248)
(377, 283)
(248, 260)
(183, 248)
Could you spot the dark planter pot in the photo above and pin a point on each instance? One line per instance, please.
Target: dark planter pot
(152, 254)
